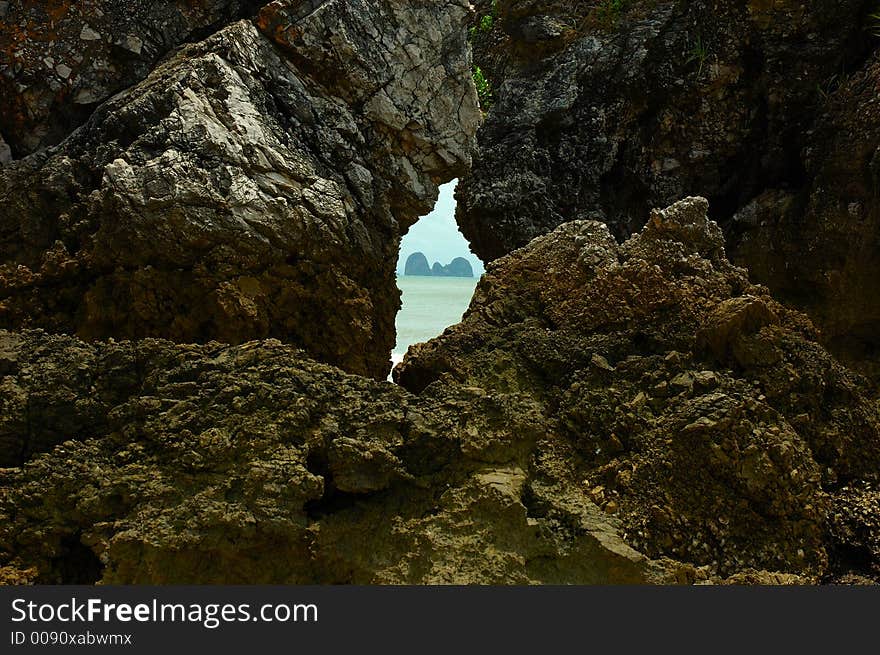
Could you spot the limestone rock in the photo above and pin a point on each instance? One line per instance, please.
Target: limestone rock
(574, 428)
(458, 267)
(417, 264)
(255, 184)
(817, 247)
(5, 152)
(635, 108)
(57, 60)
(769, 109)
(253, 464)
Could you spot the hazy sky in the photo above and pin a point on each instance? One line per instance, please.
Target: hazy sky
(437, 235)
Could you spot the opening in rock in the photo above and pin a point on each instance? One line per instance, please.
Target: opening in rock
(436, 274)
(77, 564)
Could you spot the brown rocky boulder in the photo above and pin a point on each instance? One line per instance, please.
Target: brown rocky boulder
(699, 411)
(581, 425)
(253, 464)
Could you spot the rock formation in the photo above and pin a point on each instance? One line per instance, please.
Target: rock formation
(417, 264)
(200, 213)
(255, 184)
(603, 414)
(817, 246)
(693, 407)
(253, 464)
(58, 60)
(458, 267)
(5, 152)
(603, 110)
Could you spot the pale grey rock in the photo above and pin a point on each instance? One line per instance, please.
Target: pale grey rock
(88, 34)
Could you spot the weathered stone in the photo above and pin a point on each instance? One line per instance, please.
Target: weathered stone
(765, 108)
(717, 429)
(5, 152)
(527, 456)
(36, 111)
(818, 248)
(732, 319)
(247, 190)
(605, 413)
(253, 464)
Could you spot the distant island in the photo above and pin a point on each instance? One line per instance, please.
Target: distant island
(417, 264)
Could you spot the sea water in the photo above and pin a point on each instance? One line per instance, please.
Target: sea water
(430, 305)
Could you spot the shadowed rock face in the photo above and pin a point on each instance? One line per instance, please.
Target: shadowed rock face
(254, 185)
(59, 59)
(818, 247)
(604, 414)
(763, 107)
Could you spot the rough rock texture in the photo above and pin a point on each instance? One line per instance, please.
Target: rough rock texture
(59, 59)
(5, 152)
(819, 247)
(253, 464)
(603, 414)
(601, 112)
(254, 185)
(697, 410)
(635, 412)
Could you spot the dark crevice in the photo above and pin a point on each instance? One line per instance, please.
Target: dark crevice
(77, 564)
(846, 559)
(332, 500)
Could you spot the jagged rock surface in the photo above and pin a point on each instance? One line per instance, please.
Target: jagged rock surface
(602, 113)
(604, 413)
(817, 247)
(698, 410)
(58, 60)
(253, 464)
(254, 185)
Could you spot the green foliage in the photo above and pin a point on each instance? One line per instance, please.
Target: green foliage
(484, 89)
(609, 11)
(698, 54)
(485, 23)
